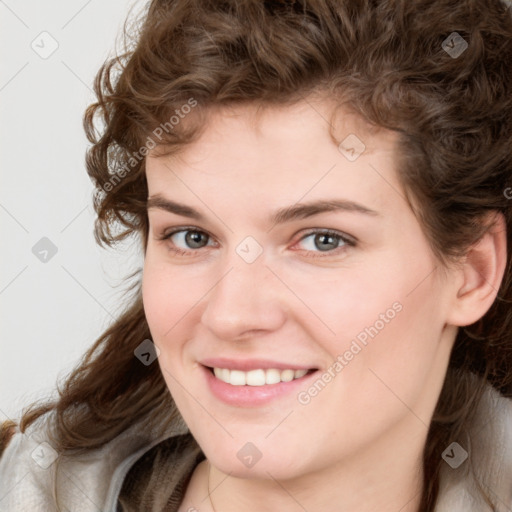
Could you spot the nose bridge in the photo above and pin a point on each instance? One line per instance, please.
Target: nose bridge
(244, 298)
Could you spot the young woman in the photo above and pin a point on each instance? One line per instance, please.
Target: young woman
(323, 321)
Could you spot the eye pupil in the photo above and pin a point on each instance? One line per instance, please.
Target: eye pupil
(193, 239)
(325, 242)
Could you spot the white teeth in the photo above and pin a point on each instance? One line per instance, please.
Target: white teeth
(237, 378)
(287, 375)
(272, 376)
(257, 377)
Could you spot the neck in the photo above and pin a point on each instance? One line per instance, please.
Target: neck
(387, 477)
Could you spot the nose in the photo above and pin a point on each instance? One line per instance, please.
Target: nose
(247, 298)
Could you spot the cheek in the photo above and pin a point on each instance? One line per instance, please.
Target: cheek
(339, 304)
(169, 294)
(167, 305)
(158, 300)
(387, 347)
(387, 317)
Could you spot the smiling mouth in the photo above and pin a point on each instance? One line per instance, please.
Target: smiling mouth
(258, 377)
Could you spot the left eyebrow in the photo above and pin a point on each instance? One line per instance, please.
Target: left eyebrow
(304, 210)
(280, 216)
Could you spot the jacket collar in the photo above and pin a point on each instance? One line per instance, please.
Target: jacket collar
(488, 452)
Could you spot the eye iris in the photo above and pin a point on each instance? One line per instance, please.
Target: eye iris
(324, 241)
(194, 239)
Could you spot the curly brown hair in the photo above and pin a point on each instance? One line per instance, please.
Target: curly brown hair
(385, 60)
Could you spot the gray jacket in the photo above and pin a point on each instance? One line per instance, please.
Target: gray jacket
(92, 482)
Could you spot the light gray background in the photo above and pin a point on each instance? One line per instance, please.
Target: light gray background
(51, 312)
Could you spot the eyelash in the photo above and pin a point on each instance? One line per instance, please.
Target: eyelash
(347, 241)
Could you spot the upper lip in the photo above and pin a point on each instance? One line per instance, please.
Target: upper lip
(251, 364)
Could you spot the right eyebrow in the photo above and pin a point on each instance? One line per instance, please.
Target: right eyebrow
(162, 203)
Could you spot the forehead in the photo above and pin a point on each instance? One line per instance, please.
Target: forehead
(281, 153)
(315, 116)
(303, 129)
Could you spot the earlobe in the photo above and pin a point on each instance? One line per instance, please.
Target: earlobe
(481, 274)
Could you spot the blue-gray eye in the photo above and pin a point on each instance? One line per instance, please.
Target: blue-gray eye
(323, 241)
(190, 238)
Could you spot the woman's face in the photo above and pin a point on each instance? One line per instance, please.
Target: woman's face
(291, 253)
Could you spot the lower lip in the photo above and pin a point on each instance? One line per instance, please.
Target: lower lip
(253, 396)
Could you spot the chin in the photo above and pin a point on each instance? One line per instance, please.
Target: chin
(238, 464)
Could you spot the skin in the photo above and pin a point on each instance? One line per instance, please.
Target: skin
(357, 445)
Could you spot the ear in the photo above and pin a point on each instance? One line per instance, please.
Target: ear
(481, 273)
